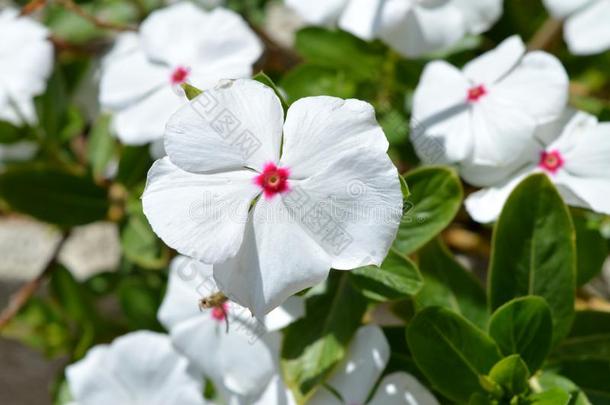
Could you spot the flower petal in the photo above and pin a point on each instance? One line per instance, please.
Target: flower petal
(485, 206)
(201, 216)
(127, 74)
(440, 124)
(586, 150)
(402, 389)
(184, 34)
(351, 209)
(318, 12)
(480, 16)
(237, 124)
(189, 281)
(563, 8)
(321, 130)
(356, 375)
(144, 121)
(277, 259)
(415, 30)
(291, 310)
(362, 18)
(591, 193)
(240, 363)
(588, 32)
(495, 64)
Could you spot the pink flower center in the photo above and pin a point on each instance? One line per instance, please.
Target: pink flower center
(179, 75)
(220, 313)
(475, 93)
(273, 180)
(551, 161)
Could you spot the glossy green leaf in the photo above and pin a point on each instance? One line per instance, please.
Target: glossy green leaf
(51, 107)
(591, 247)
(436, 197)
(555, 396)
(534, 251)
(448, 284)
(548, 380)
(266, 80)
(140, 244)
(451, 352)
(101, 146)
(511, 374)
(54, 196)
(591, 376)
(314, 344)
(134, 164)
(311, 80)
(523, 326)
(340, 50)
(397, 278)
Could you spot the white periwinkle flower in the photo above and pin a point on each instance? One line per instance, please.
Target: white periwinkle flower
(225, 343)
(487, 112)
(356, 376)
(411, 27)
(138, 368)
(26, 61)
(274, 205)
(586, 28)
(141, 76)
(574, 152)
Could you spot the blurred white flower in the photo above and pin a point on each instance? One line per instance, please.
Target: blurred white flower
(138, 368)
(141, 76)
(281, 23)
(240, 361)
(26, 246)
(574, 152)
(487, 112)
(411, 27)
(586, 27)
(26, 61)
(332, 199)
(356, 376)
(91, 249)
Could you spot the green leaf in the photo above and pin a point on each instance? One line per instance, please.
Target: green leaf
(140, 244)
(311, 80)
(447, 284)
(591, 247)
(436, 196)
(134, 164)
(511, 374)
(548, 380)
(140, 302)
(397, 278)
(9, 133)
(101, 146)
(54, 196)
(314, 344)
(534, 251)
(523, 326)
(451, 352)
(190, 91)
(266, 80)
(51, 107)
(584, 357)
(555, 396)
(340, 50)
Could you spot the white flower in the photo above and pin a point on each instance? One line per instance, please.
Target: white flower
(331, 198)
(356, 376)
(181, 43)
(138, 368)
(574, 152)
(411, 27)
(486, 113)
(26, 61)
(586, 29)
(241, 360)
